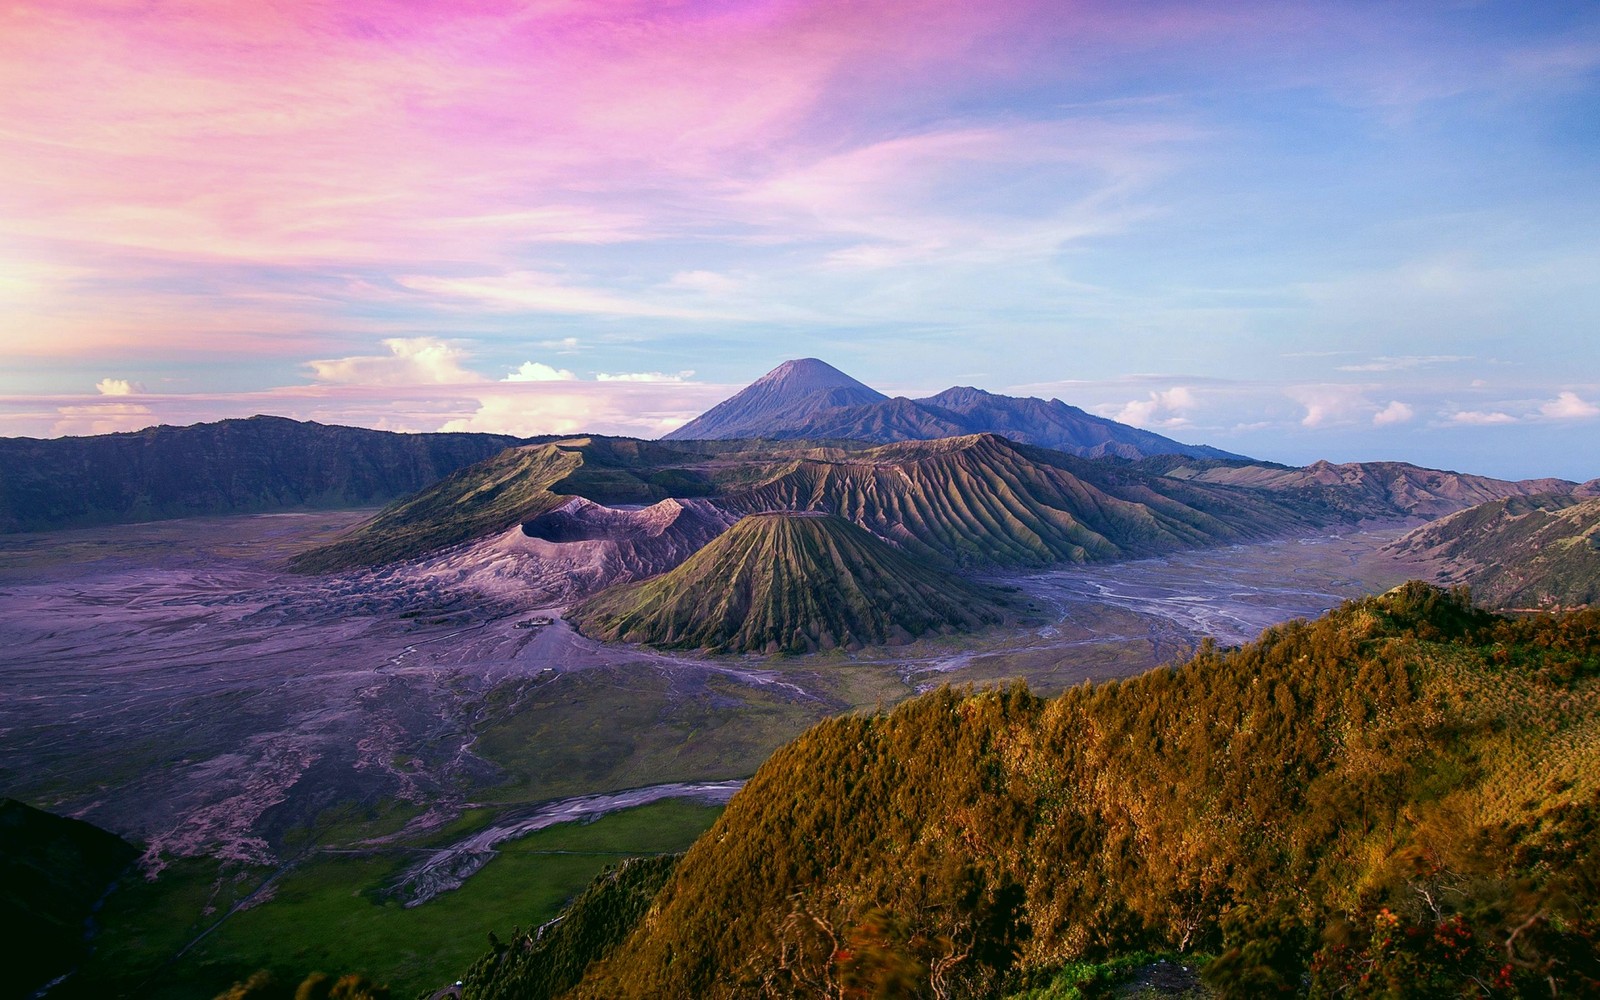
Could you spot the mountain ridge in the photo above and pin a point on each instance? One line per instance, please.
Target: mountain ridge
(809, 399)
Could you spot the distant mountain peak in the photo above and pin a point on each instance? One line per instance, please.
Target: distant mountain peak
(791, 393)
(810, 375)
(809, 398)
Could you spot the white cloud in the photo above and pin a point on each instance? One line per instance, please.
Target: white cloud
(1404, 362)
(1165, 408)
(102, 418)
(1569, 406)
(117, 387)
(410, 361)
(1481, 418)
(566, 345)
(682, 376)
(562, 407)
(536, 371)
(1395, 413)
(1330, 404)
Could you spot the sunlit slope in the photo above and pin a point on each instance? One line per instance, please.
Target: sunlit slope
(1520, 552)
(788, 582)
(1332, 800)
(481, 499)
(982, 500)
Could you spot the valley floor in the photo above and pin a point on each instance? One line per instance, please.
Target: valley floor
(171, 683)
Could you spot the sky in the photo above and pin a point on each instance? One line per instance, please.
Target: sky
(1351, 231)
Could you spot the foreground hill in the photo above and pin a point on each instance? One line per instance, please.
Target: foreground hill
(1520, 552)
(1401, 798)
(228, 467)
(53, 872)
(789, 582)
(809, 399)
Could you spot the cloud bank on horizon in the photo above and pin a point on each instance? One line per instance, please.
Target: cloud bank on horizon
(1319, 230)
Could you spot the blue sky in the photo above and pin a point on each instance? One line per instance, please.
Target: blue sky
(1346, 231)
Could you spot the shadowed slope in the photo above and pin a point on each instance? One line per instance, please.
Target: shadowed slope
(53, 871)
(227, 467)
(788, 582)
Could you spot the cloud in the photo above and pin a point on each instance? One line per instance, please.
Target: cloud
(410, 361)
(536, 371)
(533, 291)
(1330, 404)
(682, 376)
(566, 345)
(1165, 408)
(1395, 413)
(1481, 418)
(640, 409)
(1405, 362)
(117, 387)
(102, 418)
(1569, 406)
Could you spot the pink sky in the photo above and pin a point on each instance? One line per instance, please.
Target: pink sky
(204, 201)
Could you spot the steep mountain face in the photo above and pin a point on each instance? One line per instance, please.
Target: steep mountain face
(1404, 793)
(1519, 552)
(53, 871)
(788, 582)
(984, 501)
(810, 400)
(1366, 489)
(228, 467)
(787, 396)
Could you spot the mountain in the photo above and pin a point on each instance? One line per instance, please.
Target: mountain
(519, 484)
(1362, 489)
(789, 395)
(227, 467)
(1400, 798)
(972, 501)
(581, 547)
(1519, 552)
(788, 582)
(982, 500)
(808, 399)
(53, 872)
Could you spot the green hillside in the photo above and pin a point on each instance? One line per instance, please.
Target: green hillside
(1520, 552)
(1399, 799)
(788, 582)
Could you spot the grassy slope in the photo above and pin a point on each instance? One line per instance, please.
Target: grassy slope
(1521, 552)
(792, 583)
(1284, 799)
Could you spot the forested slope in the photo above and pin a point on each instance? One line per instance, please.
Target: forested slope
(1404, 794)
